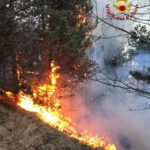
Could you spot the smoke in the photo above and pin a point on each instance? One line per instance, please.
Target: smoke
(110, 46)
(104, 110)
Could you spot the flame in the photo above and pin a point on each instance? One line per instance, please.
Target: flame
(82, 19)
(49, 111)
(18, 68)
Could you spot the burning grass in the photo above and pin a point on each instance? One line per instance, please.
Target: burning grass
(21, 130)
(47, 108)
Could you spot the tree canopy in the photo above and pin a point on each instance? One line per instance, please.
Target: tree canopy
(61, 29)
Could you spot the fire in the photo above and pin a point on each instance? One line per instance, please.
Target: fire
(82, 19)
(49, 111)
(53, 75)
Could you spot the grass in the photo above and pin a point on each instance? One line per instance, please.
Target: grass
(21, 130)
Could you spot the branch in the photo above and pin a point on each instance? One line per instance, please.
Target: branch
(125, 31)
(120, 84)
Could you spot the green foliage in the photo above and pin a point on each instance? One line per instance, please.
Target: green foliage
(140, 38)
(63, 24)
(66, 33)
(7, 26)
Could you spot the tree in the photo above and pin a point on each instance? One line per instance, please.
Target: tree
(59, 30)
(141, 32)
(139, 37)
(66, 25)
(7, 28)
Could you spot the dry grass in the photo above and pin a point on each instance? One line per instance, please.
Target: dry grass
(21, 130)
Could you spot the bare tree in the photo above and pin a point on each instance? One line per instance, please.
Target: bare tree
(139, 77)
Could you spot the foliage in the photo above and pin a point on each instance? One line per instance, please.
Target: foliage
(65, 25)
(140, 38)
(7, 28)
(140, 76)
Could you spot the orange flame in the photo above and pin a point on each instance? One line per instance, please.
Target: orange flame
(49, 112)
(82, 19)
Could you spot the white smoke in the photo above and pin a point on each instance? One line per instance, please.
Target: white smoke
(106, 110)
(131, 129)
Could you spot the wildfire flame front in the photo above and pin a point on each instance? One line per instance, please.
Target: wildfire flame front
(50, 112)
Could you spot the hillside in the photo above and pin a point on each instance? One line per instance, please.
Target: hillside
(21, 130)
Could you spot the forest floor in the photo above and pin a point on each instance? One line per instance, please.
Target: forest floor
(21, 130)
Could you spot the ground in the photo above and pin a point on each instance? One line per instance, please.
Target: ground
(21, 130)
